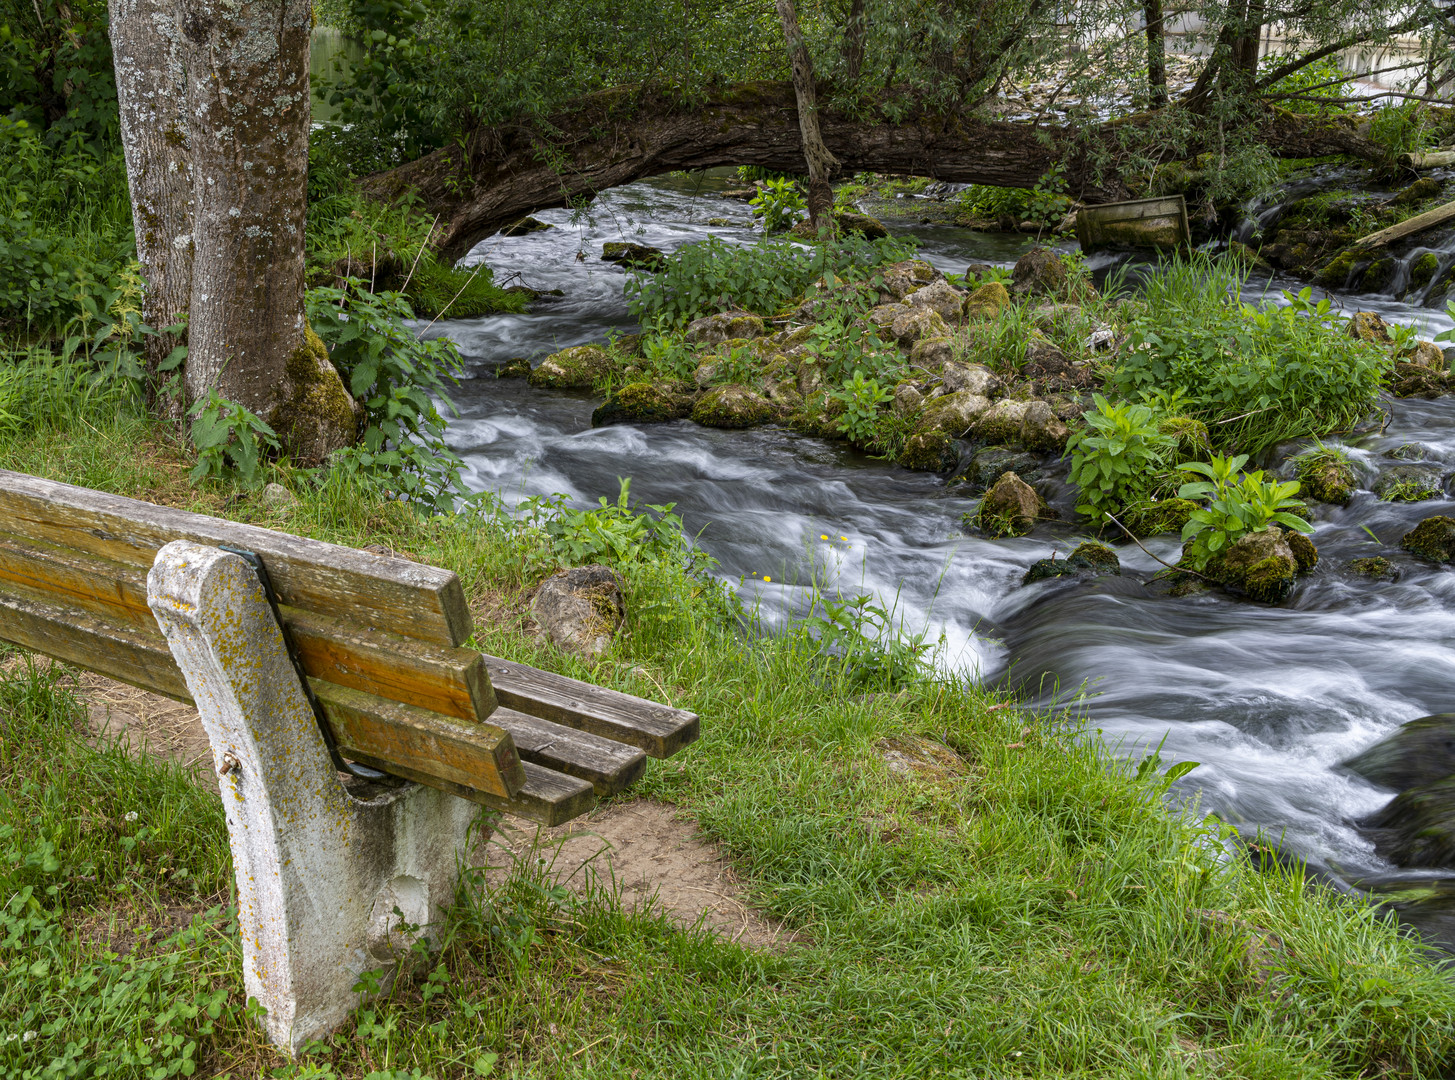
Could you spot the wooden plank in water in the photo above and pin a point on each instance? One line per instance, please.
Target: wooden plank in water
(610, 766)
(1429, 159)
(660, 730)
(431, 747)
(406, 598)
(1417, 224)
(1158, 222)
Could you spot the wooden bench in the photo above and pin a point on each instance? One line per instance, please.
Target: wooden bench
(304, 658)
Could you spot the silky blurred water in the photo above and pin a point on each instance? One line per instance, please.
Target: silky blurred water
(1268, 700)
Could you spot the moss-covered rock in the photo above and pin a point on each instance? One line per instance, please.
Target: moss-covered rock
(1190, 434)
(1040, 272)
(1417, 828)
(517, 367)
(882, 316)
(576, 368)
(642, 403)
(1261, 565)
(991, 462)
(1090, 559)
(1369, 326)
(1327, 477)
(953, 414)
(1406, 380)
(1418, 753)
(870, 228)
(1423, 270)
(916, 324)
(1154, 517)
(970, 379)
(940, 297)
(1426, 187)
(637, 256)
(1305, 554)
(1425, 354)
(987, 302)
(1042, 431)
(732, 406)
(1336, 273)
(525, 226)
(1408, 483)
(902, 278)
(1433, 539)
(932, 354)
(1374, 566)
(316, 415)
(1002, 422)
(724, 326)
(1377, 275)
(929, 451)
(1010, 508)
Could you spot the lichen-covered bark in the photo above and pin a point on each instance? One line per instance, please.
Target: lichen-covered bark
(617, 136)
(151, 88)
(821, 163)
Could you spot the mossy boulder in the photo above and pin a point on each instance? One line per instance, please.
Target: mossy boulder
(929, 451)
(1369, 326)
(1408, 483)
(525, 226)
(1042, 431)
(1336, 273)
(1154, 517)
(932, 354)
(1377, 275)
(1423, 270)
(1260, 565)
(970, 379)
(315, 416)
(1010, 508)
(1327, 479)
(902, 278)
(515, 368)
(576, 368)
(917, 323)
(1420, 752)
(732, 406)
(1417, 828)
(1040, 272)
(1088, 560)
(1406, 380)
(1002, 422)
(1427, 187)
(636, 256)
(870, 228)
(642, 403)
(1305, 553)
(1374, 566)
(953, 414)
(1433, 539)
(988, 464)
(882, 316)
(1425, 354)
(987, 302)
(940, 297)
(1191, 436)
(908, 401)
(724, 326)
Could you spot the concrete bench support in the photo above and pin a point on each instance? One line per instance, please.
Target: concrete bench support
(319, 872)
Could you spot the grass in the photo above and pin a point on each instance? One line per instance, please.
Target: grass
(1034, 912)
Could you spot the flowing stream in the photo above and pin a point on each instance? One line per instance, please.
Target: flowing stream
(1269, 700)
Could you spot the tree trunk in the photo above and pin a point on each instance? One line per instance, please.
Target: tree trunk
(151, 89)
(821, 163)
(247, 68)
(855, 35)
(618, 136)
(1156, 53)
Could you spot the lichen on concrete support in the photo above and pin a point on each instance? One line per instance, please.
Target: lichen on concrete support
(320, 873)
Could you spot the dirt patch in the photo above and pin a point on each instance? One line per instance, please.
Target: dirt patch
(148, 723)
(654, 858)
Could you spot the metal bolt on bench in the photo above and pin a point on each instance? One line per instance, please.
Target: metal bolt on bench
(349, 659)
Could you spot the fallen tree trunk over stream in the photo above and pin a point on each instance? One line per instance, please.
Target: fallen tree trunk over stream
(618, 136)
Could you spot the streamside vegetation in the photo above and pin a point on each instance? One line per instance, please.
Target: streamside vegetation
(1012, 902)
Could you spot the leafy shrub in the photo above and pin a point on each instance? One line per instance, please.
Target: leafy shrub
(1118, 458)
(1255, 377)
(230, 440)
(713, 275)
(779, 204)
(861, 399)
(396, 377)
(614, 533)
(1307, 84)
(1235, 505)
(847, 348)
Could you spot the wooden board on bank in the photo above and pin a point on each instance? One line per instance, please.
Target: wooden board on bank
(1417, 224)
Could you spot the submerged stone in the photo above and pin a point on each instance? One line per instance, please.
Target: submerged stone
(1374, 566)
(1420, 752)
(1433, 539)
(642, 403)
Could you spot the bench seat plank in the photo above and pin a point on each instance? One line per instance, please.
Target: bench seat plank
(610, 766)
(423, 602)
(660, 730)
(547, 798)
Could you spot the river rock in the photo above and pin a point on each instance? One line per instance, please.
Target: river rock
(1417, 828)
(1260, 564)
(993, 461)
(517, 367)
(903, 278)
(916, 324)
(882, 316)
(862, 224)
(1375, 566)
(1328, 480)
(1154, 517)
(580, 610)
(970, 379)
(715, 329)
(1420, 752)
(1407, 380)
(783, 394)
(810, 375)
(639, 256)
(907, 400)
(275, 496)
(954, 414)
(525, 226)
(732, 406)
(1010, 508)
(1002, 422)
(1042, 431)
(987, 302)
(1368, 326)
(1408, 483)
(1088, 560)
(932, 354)
(1433, 539)
(1426, 187)
(576, 368)
(940, 297)
(929, 451)
(642, 403)
(1040, 272)
(1425, 354)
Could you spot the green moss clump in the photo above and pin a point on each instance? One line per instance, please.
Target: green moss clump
(1098, 558)
(1336, 273)
(516, 368)
(732, 406)
(1191, 435)
(642, 403)
(929, 451)
(1433, 539)
(318, 416)
(1423, 270)
(435, 289)
(988, 301)
(1375, 566)
(1305, 555)
(1327, 475)
(576, 368)
(1377, 275)
(1153, 517)
(1269, 580)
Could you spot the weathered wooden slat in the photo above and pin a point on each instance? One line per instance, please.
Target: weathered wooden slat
(447, 680)
(432, 747)
(547, 798)
(421, 602)
(1417, 224)
(610, 766)
(660, 730)
(89, 641)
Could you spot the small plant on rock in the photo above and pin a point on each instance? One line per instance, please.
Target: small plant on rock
(1234, 504)
(862, 399)
(1327, 474)
(1118, 458)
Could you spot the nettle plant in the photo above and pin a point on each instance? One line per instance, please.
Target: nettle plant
(1235, 504)
(1118, 458)
(779, 203)
(862, 399)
